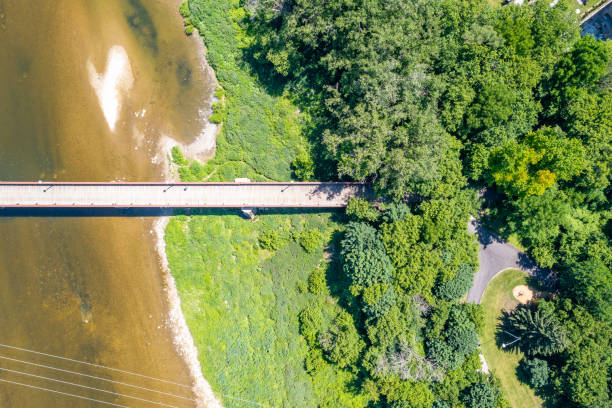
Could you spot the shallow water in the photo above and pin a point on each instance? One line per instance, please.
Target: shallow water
(79, 287)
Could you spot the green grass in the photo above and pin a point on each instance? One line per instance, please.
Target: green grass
(261, 133)
(241, 301)
(496, 298)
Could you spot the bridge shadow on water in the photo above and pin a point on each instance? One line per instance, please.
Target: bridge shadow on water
(68, 212)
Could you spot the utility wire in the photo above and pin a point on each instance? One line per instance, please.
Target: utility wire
(117, 370)
(97, 378)
(85, 386)
(93, 365)
(65, 393)
(245, 400)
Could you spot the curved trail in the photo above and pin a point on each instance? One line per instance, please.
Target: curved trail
(496, 255)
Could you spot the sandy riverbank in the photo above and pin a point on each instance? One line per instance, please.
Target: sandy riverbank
(182, 338)
(203, 147)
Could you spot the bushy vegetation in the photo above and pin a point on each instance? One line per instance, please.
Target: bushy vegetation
(362, 210)
(242, 284)
(261, 132)
(418, 95)
(535, 371)
(177, 156)
(242, 303)
(429, 100)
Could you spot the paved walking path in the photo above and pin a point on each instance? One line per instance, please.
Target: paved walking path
(230, 195)
(496, 255)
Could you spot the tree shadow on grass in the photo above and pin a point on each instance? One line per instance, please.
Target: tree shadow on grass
(337, 281)
(505, 338)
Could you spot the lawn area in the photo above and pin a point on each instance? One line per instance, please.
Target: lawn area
(497, 297)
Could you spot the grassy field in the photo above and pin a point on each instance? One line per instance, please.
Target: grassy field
(241, 302)
(497, 297)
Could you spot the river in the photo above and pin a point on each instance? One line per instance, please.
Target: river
(88, 89)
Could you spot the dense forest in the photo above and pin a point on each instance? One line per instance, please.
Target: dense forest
(433, 101)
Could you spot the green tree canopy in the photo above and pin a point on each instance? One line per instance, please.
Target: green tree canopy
(538, 330)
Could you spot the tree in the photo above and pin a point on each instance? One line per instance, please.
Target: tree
(361, 210)
(378, 299)
(583, 65)
(590, 283)
(413, 395)
(584, 377)
(533, 165)
(538, 330)
(303, 166)
(444, 354)
(515, 25)
(364, 259)
(480, 395)
(493, 104)
(535, 371)
(395, 212)
(341, 343)
(463, 338)
(458, 286)
(579, 68)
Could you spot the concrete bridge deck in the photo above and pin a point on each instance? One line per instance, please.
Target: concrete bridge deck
(176, 195)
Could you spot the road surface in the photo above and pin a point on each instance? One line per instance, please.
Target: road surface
(496, 255)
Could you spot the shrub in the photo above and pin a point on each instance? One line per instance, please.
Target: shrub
(310, 319)
(270, 240)
(189, 29)
(311, 239)
(480, 395)
(301, 287)
(219, 93)
(218, 109)
(184, 9)
(535, 371)
(303, 166)
(361, 210)
(342, 343)
(458, 286)
(314, 361)
(177, 156)
(316, 281)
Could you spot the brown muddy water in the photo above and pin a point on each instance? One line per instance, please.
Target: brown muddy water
(91, 288)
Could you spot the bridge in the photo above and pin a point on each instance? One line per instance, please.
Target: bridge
(180, 195)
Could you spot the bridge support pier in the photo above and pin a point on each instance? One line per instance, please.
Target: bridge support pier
(248, 213)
